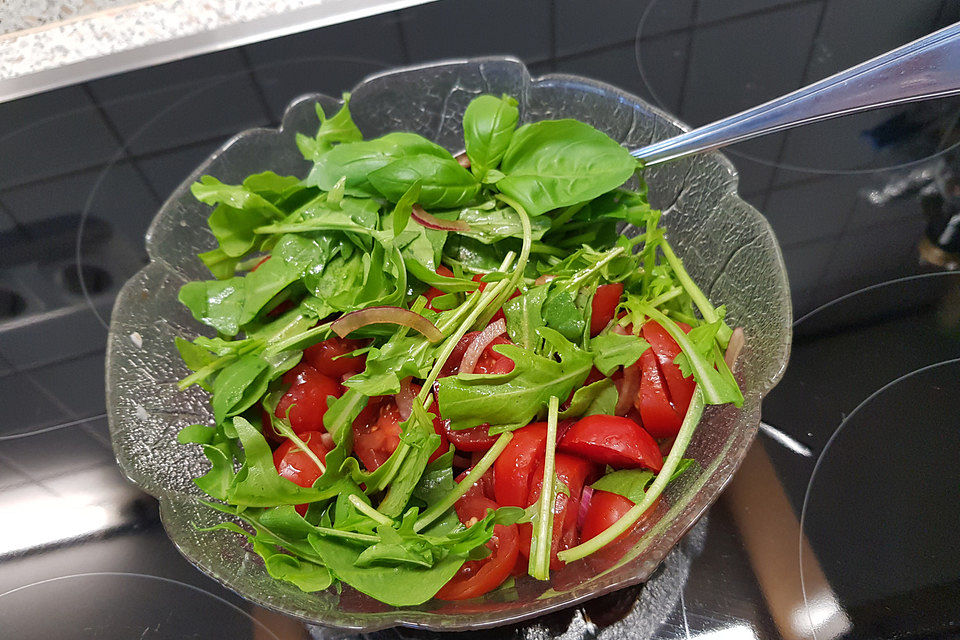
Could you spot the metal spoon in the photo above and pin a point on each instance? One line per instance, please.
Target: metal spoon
(925, 68)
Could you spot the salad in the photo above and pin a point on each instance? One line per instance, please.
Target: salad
(432, 374)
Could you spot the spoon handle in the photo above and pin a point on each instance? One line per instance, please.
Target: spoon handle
(922, 69)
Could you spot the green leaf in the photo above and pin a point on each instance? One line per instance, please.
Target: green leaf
(493, 225)
(403, 208)
(516, 397)
(599, 397)
(338, 128)
(556, 163)
(221, 265)
(239, 386)
(216, 303)
(488, 125)
(611, 350)
(444, 183)
(524, 317)
(629, 483)
(356, 160)
(560, 312)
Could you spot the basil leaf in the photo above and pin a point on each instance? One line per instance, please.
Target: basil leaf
(556, 163)
(488, 125)
(356, 160)
(444, 183)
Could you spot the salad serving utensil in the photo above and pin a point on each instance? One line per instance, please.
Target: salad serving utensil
(925, 68)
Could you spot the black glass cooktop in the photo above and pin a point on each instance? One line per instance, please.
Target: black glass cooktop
(841, 523)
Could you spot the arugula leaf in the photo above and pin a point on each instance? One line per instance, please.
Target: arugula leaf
(560, 312)
(630, 483)
(524, 316)
(444, 183)
(516, 397)
(403, 208)
(215, 303)
(493, 225)
(599, 397)
(611, 350)
(556, 163)
(488, 125)
(338, 128)
(239, 386)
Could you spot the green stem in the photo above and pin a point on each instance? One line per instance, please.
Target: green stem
(539, 565)
(665, 297)
(369, 511)
(521, 261)
(439, 508)
(621, 526)
(295, 340)
(203, 373)
(349, 535)
(707, 310)
(286, 430)
(577, 280)
(539, 247)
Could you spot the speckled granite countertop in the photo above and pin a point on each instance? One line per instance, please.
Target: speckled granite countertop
(45, 44)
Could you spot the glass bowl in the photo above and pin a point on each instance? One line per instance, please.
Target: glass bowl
(725, 243)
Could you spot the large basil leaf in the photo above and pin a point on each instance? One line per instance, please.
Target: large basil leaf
(556, 163)
(443, 182)
(488, 125)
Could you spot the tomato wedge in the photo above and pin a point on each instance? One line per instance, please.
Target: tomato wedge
(573, 472)
(305, 402)
(477, 577)
(329, 357)
(374, 440)
(603, 306)
(472, 439)
(659, 417)
(491, 362)
(666, 349)
(512, 471)
(619, 442)
(296, 466)
(606, 508)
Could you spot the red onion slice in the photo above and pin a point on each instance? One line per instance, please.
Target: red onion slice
(431, 221)
(627, 389)
(472, 355)
(734, 347)
(585, 499)
(350, 322)
(405, 399)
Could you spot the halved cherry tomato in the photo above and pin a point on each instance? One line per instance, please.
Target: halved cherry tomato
(659, 417)
(605, 509)
(477, 577)
(513, 468)
(296, 466)
(439, 430)
(679, 389)
(619, 442)
(573, 472)
(604, 304)
(482, 487)
(329, 357)
(472, 439)
(375, 440)
(492, 362)
(306, 399)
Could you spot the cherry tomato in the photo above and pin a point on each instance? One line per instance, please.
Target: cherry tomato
(296, 466)
(375, 440)
(329, 357)
(477, 577)
(482, 487)
(306, 399)
(492, 362)
(619, 442)
(573, 472)
(439, 430)
(659, 417)
(473, 439)
(604, 304)
(605, 509)
(513, 468)
(679, 389)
